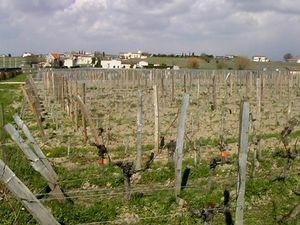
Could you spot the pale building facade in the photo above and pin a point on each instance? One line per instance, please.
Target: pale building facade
(111, 64)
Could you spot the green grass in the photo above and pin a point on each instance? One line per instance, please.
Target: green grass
(262, 192)
(11, 96)
(181, 62)
(19, 78)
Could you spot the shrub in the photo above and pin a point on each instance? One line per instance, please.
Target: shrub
(242, 62)
(193, 63)
(221, 65)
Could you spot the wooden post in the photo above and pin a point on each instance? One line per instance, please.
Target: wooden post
(198, 87)
(30, 202)
(190, 82)
(214, 94)
(2, 122)
(257, 151)
(71, 100)
(172, 88)
(242, 162)
(63, 93)
(258, 99)
(35, 111)
(180, 143)
(83, 118)
(32, 85)
(223, 111)
(156, 119)
(290, 86)
(2, 135)
(247, 77)
(53, 84)
(146, 81)
(88, 117)
(35, 146)
(76, 108)
(139, 131)
(162, 86)
(184, 82)
(262, 84)
(35, 162)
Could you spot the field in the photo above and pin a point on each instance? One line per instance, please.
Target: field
(226, 64)
(115, 100)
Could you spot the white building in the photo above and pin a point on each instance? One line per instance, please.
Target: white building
(53, 56)
(78, 59)
(125, 66)
(260, 59)
(26, 54)
(142, 64)
(111, 64)
(82, 60)
(133, 55)
(55, 59)
(69, 62)
(230, 56)
(294, 60)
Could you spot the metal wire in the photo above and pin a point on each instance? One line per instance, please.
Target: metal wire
(139, 218)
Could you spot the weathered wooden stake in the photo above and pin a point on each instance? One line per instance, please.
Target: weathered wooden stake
(214, 92)
(223, 110)
(258, 100)
(184, 82)
(156, 119)
(83, 118)
(35, 162)
(30, 202)
(32, 85)
(76, 108)
(2, 122)
(180, 143)
(35, 146)
(88, 117)
(139, 131)
(172, 87)
(35, 111)
(2, 134)
(242, 162)
(259, 120)
(198, 87)
(290, 86)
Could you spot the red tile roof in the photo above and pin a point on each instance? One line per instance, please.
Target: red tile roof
(55, 55)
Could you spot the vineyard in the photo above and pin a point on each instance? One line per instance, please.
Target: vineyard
(98, 146)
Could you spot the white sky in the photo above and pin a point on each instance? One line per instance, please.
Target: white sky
(243, 27)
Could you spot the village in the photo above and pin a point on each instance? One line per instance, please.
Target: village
(139, 60)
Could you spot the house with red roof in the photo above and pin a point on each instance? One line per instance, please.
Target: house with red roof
(55, 59)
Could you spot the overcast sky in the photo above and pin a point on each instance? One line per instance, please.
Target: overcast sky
(243, 27)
